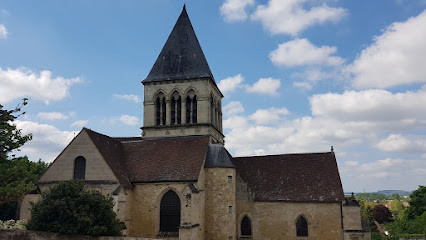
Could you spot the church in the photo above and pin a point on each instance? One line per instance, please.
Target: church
(178, 181)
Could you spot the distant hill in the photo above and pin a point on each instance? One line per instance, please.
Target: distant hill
(399, 192)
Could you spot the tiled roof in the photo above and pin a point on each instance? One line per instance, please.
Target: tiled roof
(218, 157)
(309, 177)
(181, 56)
(167, 159)
(111, 150)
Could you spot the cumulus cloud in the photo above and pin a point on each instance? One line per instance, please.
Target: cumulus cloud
(129, 120)
(266, 86)
(400, 143)
(127, 97)
(3, 32)
(232, 108)
(290, 16)
(21, 82)
(395, 58)
(80, 123)
(372, 105)
(48, 141)
(299, 52)
(271, 115)
(52, 116)
(235, 10)
(229, 84)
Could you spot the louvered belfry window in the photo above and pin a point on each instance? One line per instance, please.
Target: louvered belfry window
(80, 168)
(302, 226)
(170, 212)
(194, 109)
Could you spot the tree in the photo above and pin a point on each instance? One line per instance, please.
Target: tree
(18, 175)
(382, 214)
(68, 208)
(366, 211)
(417, 203)
(396, 205)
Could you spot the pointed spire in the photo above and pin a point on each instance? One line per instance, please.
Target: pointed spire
(181, 56)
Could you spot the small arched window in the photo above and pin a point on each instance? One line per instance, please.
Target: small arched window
(160, 109)
(245, 227)
(80, 168)
(164, 110)
(170, 212)
(179, 110)
(188, 109)
(194, 109)
(302, 227)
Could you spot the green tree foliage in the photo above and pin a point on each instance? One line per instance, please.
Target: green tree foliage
(11, 138)
(396, 205)
(372, 196)
(366, 211)
(68, 208)
(382, 214)
(403, 226)
(17, 174)
(417, 203)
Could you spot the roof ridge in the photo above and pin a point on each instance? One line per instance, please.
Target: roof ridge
(282, 154)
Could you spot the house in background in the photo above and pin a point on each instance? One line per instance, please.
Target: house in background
(178, 181)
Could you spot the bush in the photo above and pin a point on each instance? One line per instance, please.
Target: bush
(12, 224)
(70, 209)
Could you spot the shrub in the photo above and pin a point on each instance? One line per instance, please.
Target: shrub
(70, 209)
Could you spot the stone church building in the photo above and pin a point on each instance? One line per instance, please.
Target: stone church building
(178, 181)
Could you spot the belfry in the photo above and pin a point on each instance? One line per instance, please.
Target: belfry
(181, 97)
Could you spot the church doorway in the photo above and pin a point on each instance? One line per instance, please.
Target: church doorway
(170, 212)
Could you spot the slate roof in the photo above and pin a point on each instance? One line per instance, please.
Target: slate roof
(181, 56)
(306, 177)
(218, 157)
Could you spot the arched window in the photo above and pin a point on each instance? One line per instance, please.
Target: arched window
(160, 109)
(179, 110)
(173, 105)
(170, 212)
(188, 109)
(301, 226)
(80, 168)
(164, 110)
(194, 109)
(245, 226)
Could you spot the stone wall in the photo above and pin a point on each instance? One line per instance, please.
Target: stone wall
(145, 210)
(277, 220)
(34, 235)
(220, 203)
(62, 168)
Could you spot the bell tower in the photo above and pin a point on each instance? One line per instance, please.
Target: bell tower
(181, 97)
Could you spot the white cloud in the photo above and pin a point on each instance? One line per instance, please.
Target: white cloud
(271, 115)
(127, 97)
(290, 17)
(372, 105)
(267, 86)
(229, 84)
(399, 143)
(235, 10)
(47, 142)
(3, 32)
(395, 58)
(235, 122)
(52, 116)
(21, 82)
(232, 108)
(129, 120)
(299, 52)
(303, 85)
(80, 123)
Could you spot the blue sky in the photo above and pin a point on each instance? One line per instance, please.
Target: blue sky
(298, 76)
